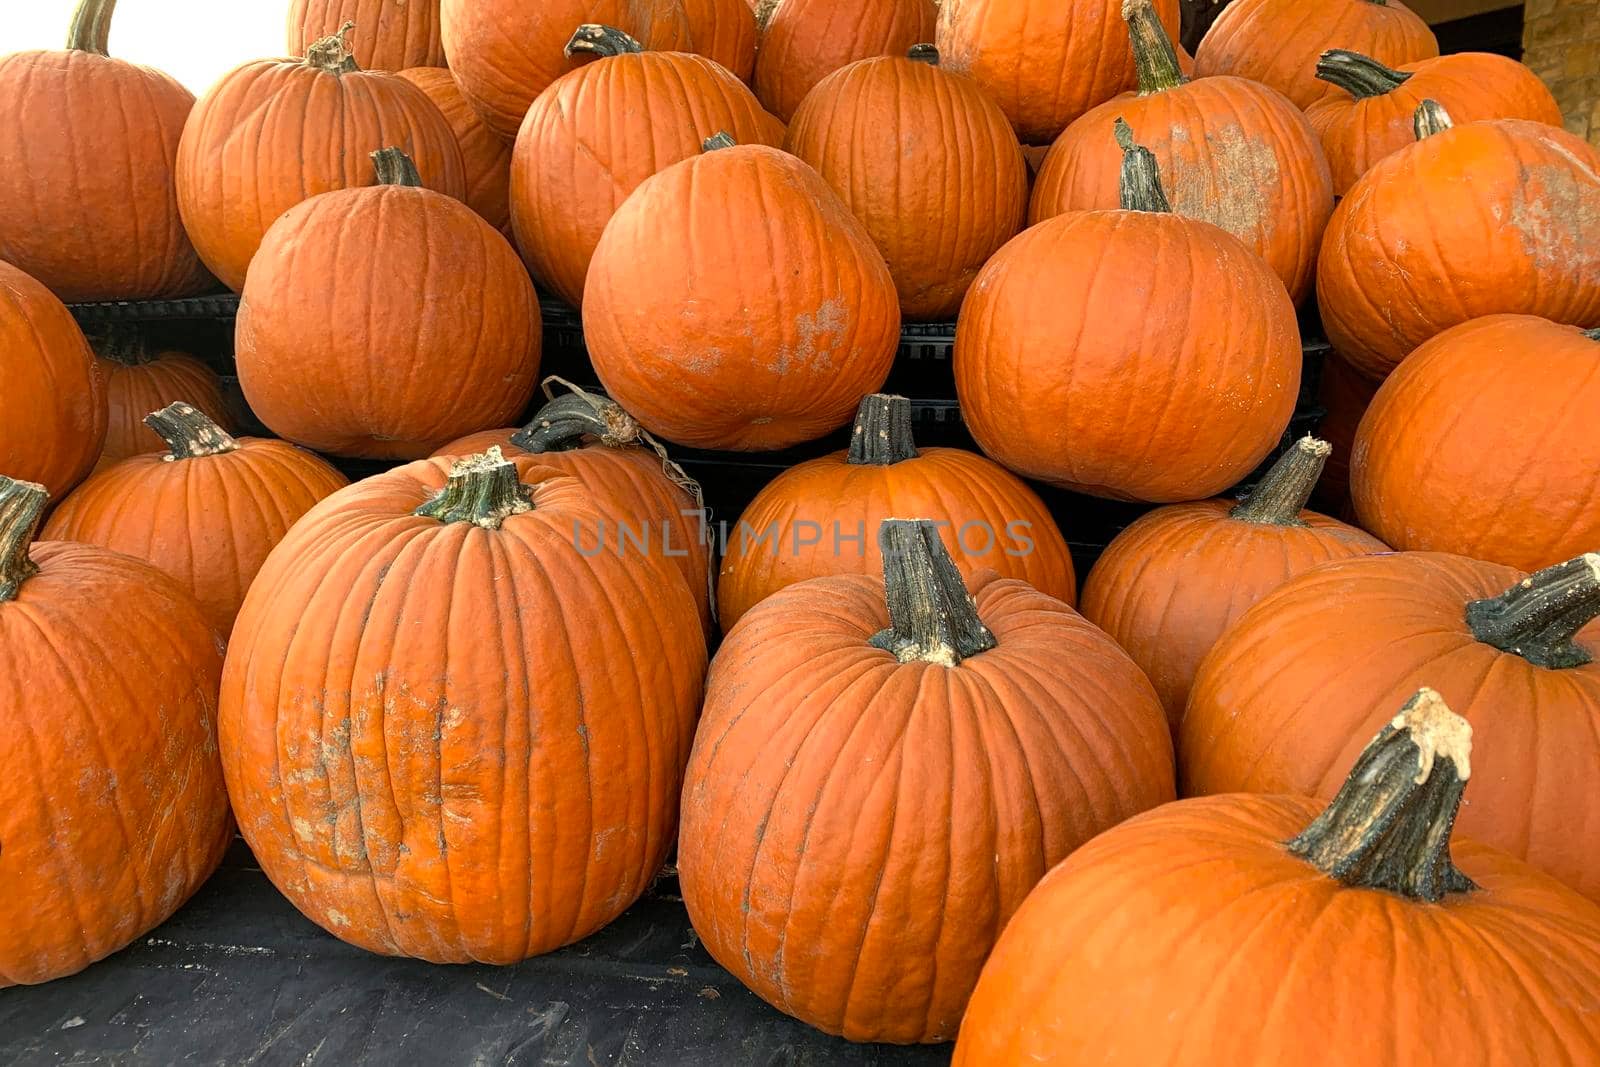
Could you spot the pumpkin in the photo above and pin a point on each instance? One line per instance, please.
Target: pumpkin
(382, 322)
(52, 402)
(1045, 62)
(926, 162)
(389, 34)
(819, 518)
(1289, 692)
(714, 340)
(138, 380)
(1278, 42)
(275, 132)
(1162, 365)
(803, 41)
(1231, 151)
(658, 507)
(1374, 114)
(725, 32)
(1173, 582)
(1343, 395)
(485, 157)
(112, 811)
(88, 203)
(449, 730)
(1480, 219)
(205, 512)
(1518, 489)
(594, 135)
(1254, 931)
(883, 771)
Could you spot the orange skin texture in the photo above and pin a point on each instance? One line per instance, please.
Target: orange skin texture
(1229, 151)
(207, 522)
(1190, 935)
(1151, 319)
(341, 352)
(112, 809)
(132, 392)
(1344, 394)
(943, 484)
(857, 830)
(457, 743)
(723, 31)
(275, 132)
(487, 158)
(806, 40)
(52, 405)
(88, 204)
(1299, 685)
(1045, 62)
(1483, 219)
(1170, 584)
(389, 34)
(1278, 42)
(928, 164)
(735, 303)
(1472, 87)
(1496, 419)
(645, 498)
(591, 138)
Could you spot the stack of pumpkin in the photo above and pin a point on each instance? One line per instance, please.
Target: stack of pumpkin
(456, 706)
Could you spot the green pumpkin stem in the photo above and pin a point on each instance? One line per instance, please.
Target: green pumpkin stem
(1593, 335)
(1139, 185)
(564, 423)
(120, 342)
(924, 53)
(720, 139)
(331, 54)
(483, 490)
(932, 617)
(1431, 118)
(91, 27)
(394, 167)
(189, 432)
(1281, 495)
(882, 434)
(21, 509)
(1154, 58)
(1389, 826)
(593, 39)
(1539, 617)
(1361, 76)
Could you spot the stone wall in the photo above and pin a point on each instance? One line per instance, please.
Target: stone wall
(1561, 42)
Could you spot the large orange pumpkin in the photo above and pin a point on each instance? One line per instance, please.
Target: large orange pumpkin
(382, 322)
(1045, 62)
(275, 132)
(449, 730)
(1231, 151)
(112, 810)
(1480, 219)
(1484, 443)
(139, 380)
(88, 204)
(883, 771)
(389, 34)
(52, 402)
(485, 157)
(715, 340)
(926, 162)
(595, 134)
(205, 512)
(803, 41)
(820, 518)
(1277, 42)
(1133, 354)
(1254, 932)
(1173, 582)
(1375, 114)
(723, 31)
(1293, 688)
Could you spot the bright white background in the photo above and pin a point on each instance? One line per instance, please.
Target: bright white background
(195, 41)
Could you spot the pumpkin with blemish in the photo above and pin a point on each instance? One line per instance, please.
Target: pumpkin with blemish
(390, 35)
(803, 41)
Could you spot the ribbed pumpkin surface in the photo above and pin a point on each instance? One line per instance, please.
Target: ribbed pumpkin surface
(806, 40)
(132, 392)
(389, 34)
(486, 157)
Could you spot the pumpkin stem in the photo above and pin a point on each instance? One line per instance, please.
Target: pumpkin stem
(483, 490)
(1538, 617)
(331, 54)
(1431, 118)
(1153, 55)
(1593, 335)
(765, 9)
(720, 139)
(882, 434)
(189, 432)
(1281, 495)
(1389, 826)
(1360, 76)
(91, 27)
(394, 167)
(598, 40)
(564, 422)
(932, 617)
(120, 342)
(924, 53)
(21, 508)
(1139, 186)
